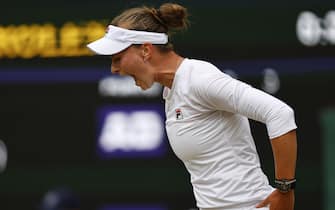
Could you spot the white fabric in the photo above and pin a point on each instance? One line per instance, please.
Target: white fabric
(253, 207)
(117, 39)
(207, 125)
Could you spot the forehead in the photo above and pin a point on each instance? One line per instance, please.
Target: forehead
(126, 51)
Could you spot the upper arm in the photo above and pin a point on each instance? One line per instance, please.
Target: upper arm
(225, 93)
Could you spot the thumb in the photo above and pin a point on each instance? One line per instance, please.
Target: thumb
(262, 204)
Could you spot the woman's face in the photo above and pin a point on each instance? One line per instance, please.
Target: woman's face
(132, 62)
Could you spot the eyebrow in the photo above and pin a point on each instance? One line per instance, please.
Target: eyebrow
(115, 56)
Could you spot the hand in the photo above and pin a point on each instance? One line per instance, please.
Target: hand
(279, 201)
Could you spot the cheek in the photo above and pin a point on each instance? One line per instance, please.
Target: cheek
(132, 63)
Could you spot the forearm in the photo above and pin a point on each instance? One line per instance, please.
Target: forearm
(285, 155)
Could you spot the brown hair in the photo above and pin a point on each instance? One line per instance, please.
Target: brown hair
(168, 18)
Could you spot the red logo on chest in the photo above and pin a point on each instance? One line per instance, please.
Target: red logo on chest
(179, 114)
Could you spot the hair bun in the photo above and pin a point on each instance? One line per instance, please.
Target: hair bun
(158, 16)
(174, 16)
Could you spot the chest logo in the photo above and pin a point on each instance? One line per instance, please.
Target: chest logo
(179, 114)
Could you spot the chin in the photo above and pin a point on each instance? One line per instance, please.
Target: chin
(143, 85)
(144, 88)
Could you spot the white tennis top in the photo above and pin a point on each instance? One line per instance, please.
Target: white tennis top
(207, 125)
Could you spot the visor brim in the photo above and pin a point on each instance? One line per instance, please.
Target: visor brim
(106, 46)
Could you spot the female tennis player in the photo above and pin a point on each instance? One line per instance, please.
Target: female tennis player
(207, 113)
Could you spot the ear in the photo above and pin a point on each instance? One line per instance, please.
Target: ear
(147, 50)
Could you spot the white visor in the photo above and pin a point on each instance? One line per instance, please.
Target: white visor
(117, 39)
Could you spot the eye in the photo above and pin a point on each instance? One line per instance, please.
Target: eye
(116, 60)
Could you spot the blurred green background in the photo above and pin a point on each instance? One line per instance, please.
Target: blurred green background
(48, 105)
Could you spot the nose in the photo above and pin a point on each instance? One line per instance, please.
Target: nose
(115, 69)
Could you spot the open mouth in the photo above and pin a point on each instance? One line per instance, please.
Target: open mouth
(138, 82)
(135, 80)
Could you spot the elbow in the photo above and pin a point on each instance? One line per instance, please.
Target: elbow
(287, 113)
(282, 122)
(281, 115)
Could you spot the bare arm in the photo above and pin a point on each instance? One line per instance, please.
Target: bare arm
(285, 155)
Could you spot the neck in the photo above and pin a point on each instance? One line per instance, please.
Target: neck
(167, 66)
